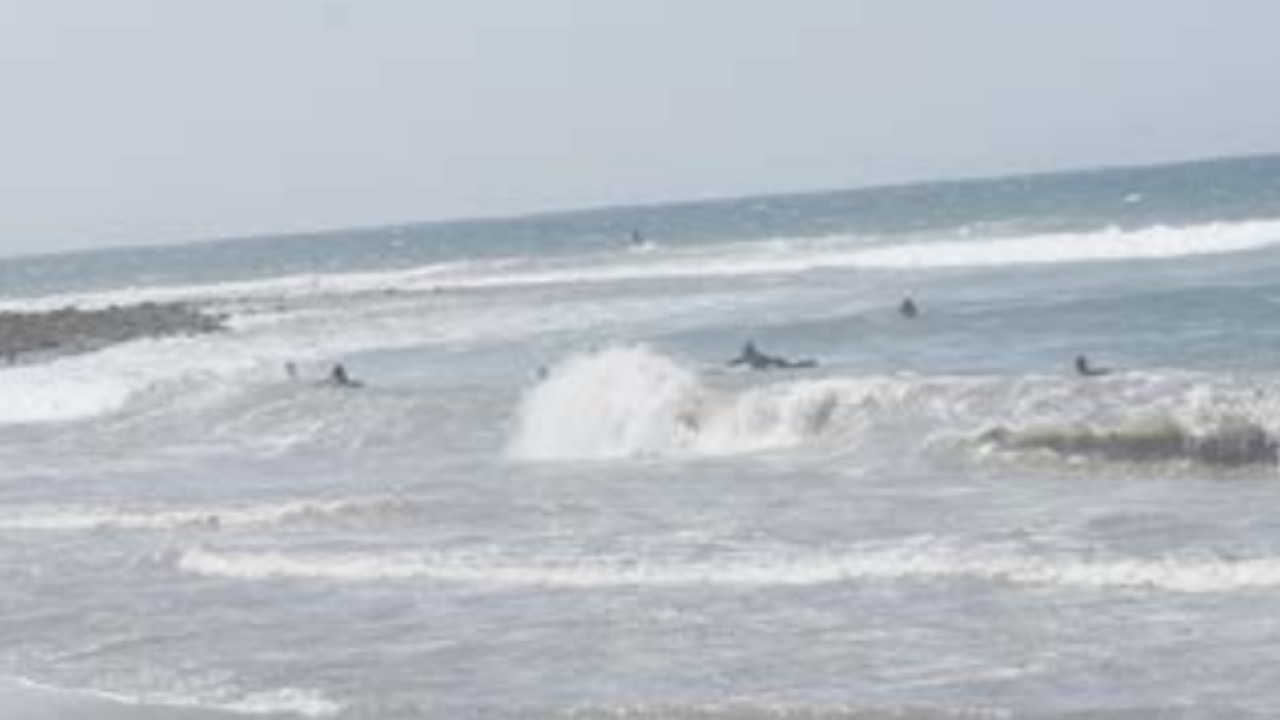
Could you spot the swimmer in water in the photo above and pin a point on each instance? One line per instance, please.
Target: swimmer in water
(340, 378)
(1085, 370)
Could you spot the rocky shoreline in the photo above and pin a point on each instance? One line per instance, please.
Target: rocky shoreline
(27, 336)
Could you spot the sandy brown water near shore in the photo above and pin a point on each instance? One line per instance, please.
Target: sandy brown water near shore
(27, 336)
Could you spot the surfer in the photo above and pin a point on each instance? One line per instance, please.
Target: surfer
(751, 357)
(756, 360)
(339, 377)
(1085, 370)
(908, 308)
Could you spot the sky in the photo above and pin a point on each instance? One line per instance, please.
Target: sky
(156, 121)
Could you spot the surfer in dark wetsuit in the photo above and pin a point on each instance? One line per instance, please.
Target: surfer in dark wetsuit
(751, 357)
(908, 308)
(756, 360)
(339, 377)
(1085, 370)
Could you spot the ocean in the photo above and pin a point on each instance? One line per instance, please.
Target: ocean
(552, 496)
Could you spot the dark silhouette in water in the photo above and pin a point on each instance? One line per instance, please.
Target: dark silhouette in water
(340, 378)
(908, 308)
(1085, 370)
(636, 238)
(756, 360)
(291, 370)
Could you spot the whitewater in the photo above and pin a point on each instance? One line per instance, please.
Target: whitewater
(552, 497)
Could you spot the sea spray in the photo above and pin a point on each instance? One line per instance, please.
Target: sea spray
(636, 402)
(612, 403)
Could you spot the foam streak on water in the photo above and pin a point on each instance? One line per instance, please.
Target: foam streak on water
(912, 563)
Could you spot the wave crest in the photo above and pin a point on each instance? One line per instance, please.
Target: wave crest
(916, 561)
(1233, 443)
(635, 402)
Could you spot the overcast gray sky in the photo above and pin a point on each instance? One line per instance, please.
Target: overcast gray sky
(128, 121)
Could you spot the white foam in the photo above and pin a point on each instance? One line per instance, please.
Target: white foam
(286, 701)
(51, 701)
(918, 562)
(93, 384)
(1160, 242)
(617, 402)
(276, 288)
(635, 402)
(58, 391)
(74, 518)
(759, 258)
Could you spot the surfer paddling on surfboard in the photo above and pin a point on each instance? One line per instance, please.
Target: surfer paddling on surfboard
(756, 360)
(1084, 369)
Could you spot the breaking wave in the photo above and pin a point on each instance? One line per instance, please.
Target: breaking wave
(917, 561)
(1112, 244)
(636, 402)
(1234, 443)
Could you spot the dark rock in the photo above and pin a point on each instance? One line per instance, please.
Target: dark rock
(70, 330)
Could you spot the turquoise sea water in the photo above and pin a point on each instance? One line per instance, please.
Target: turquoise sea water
(552, 498)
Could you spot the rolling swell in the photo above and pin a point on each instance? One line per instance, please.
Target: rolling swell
(1234, 443)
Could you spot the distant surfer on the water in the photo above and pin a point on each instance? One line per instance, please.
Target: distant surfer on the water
(339, 377)
(908, 308)
(1084, 369)
(639, 242)
(756, 360)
